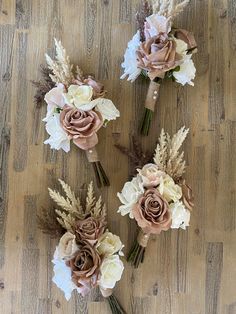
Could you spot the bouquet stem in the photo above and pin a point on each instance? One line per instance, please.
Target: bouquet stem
(137, 252)
(115, 307)
(101, 177)
(150, 102)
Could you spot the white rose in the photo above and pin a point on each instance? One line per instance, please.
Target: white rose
(110, 272)
(106, 108)
(169, 190)
(80, 96)
(62, 276)
(151, 175)
(180, 215)
(129, 195)
(67, 246)
(55, 99)
(109, 244)
(58, 138)
(130, 64)
(187, 71)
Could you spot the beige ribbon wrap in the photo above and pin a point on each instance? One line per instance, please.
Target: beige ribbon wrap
(92, 155)
(152, 95)
(106, 292)
(143, 238)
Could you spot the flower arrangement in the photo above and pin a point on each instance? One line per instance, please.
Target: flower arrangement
(88, 254)
(158, 197)
(76, 108)
(159, 51)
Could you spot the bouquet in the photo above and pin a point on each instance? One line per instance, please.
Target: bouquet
(76, 108)
(158, 197)
(159, 51)
(87, 255)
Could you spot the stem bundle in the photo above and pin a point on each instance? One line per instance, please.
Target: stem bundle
(137, 252)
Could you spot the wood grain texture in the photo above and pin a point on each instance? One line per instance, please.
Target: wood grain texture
(184, 272)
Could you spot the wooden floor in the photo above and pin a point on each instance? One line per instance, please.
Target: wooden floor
(189, 272)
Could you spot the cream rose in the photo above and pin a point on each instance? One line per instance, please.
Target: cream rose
(80, 96)
(180, 215)
(67, 246)
(110, 272)
(151, 175)
(169, 190)
(129, 195)
(109, 244)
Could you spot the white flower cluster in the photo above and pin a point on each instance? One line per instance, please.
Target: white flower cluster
(151, 177)
(80, 97)
(108, 246)
(155, 25)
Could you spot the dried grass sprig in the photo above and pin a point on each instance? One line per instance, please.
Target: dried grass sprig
(44, 85)
(62, 69)
(47, 222)
(167, 156)
(138, 158)
(168, 8)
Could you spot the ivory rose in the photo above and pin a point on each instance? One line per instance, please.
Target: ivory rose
(109, 244)
(67, 246)
(152, 212)
(79, 96)
(151, 175)
(169, 190)
(129, 195)
(110, 271)
(180, 215)
(81, 126)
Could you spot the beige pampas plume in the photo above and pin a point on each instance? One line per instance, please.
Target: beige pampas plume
(167, 156)
(168, 8)
(61, 67)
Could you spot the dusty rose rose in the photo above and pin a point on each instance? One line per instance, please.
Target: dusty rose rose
(98, 88)
(158, 55)
(85, 267)
(187, 37)
(81, 126)
(187, 195)
(90, 229)
(152, 212)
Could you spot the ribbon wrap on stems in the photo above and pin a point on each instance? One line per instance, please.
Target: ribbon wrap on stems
(150, 103)
(136, 254)
(101, 177)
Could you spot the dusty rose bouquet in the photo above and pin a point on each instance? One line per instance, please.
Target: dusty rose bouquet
(158, 197)
(159, 51)
(87, 254)
(76, 108)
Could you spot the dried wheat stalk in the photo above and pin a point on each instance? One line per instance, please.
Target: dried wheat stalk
(168, 8)
(62, 69)
(167, 156)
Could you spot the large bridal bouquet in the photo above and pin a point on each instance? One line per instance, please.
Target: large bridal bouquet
(87, 254)
(158, 197)
(76, 108)
(159, 51)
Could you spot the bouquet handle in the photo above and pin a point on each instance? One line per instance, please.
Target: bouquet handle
(114, 304)
(101, 177)
(137, 252)
(150, 103)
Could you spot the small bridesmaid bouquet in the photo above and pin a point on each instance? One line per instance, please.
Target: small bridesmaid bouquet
(158, 197)
(87, 254)
(76, 108)
(159, 51)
